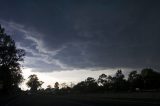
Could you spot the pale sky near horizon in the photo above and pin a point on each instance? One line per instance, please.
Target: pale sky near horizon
(68, 77)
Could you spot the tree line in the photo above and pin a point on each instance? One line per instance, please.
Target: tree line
(11, 76)
(147, 79)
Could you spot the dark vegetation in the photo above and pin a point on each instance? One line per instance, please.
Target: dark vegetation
(147, 80)
(11, 77)
(10, 71)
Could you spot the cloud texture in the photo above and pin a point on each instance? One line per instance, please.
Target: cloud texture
(85, 34)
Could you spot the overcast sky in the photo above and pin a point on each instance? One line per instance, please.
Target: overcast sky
(60, 35)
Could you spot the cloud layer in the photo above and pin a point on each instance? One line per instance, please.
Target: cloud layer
(85, 34)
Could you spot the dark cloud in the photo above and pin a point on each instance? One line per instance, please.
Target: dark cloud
(86, 34)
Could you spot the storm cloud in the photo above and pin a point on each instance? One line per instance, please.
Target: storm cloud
(84, 34)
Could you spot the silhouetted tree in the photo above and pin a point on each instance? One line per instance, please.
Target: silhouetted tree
(80, 87)
(90, 81)
(110, 82)
(56, 86)
(119, 83)
(147, 79)
(34, 83)
(151, 78)
(49, 87)
(89, 85)
(135, 80)
(65, 89)
(10, 56)
(103, 82)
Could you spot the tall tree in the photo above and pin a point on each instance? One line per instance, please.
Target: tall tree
(89, 85)
(135, 80)
(119, 81)
(151, 78)
(102, 80)
(56, 86)
(34, 83)
(10, 56)
(80, 87)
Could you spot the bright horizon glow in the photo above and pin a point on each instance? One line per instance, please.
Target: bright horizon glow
(67, 76)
